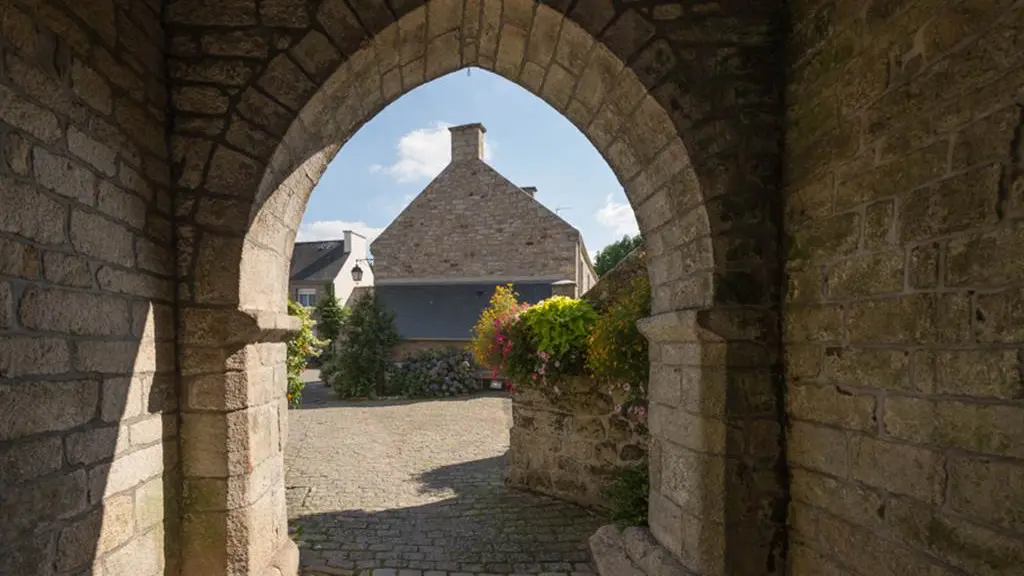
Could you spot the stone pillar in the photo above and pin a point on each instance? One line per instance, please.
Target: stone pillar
(233, 432)
(564, 288)
(717, 498)
(468, 142)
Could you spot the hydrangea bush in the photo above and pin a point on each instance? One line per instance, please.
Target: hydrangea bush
(435, 373)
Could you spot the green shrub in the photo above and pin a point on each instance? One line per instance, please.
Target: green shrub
(359, 365)
(627, 495)
(301, 347)
(617, 352)
(556, 332)
(435, 373)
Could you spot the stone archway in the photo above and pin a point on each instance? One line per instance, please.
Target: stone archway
(264, 98)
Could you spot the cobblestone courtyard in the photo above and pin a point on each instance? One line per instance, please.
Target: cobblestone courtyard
(416, 488)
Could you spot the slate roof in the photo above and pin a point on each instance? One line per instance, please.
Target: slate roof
(446, 311)
(317, 261)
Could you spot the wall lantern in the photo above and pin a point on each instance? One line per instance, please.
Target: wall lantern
(357, 272)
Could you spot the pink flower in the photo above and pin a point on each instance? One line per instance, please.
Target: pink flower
(535, 376)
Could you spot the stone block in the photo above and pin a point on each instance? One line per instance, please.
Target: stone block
(831, 405)
(868, 367)
(848, 500)
(813, 324)
(31, 214)
(122, 205)
(866, 275)
(94, 153)
(990, 259)
(143, 555)
(149, 503)
(67, 270)
(818, 448)
(956, 541)
(19, 259)
(77, 542)
(231, 172)
(986, 140)
(897, 468)
(94, 445)
(956, 204)
(100, 238)
(90, 86)
(24, 115)
(64, 176)
(979, 373)
(923, 266)
(826, 238)
(35, 407)
(912, 319)
(907, 173)
(990, 490)
(41, 502)
(30, 459)
(131, 469)
(74, 312)
(999, 317)
(200, 99)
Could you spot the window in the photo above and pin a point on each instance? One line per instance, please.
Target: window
(307, 297)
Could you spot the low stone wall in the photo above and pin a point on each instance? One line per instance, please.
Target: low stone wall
(567, 445)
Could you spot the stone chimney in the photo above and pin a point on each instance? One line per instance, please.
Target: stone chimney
(468, 142)
(531, 190)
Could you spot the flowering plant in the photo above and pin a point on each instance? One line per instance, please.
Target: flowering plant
(617, 352)
(301, 347)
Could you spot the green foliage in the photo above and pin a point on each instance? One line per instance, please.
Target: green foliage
(302, 346)
(616, 350)
(627, 495)
(359, 366)
(611, 254)
(435, 373)
(332, 315)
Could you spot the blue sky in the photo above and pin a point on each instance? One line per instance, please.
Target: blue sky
(395, 155)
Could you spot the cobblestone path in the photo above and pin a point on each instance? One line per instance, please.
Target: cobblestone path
(416, 489)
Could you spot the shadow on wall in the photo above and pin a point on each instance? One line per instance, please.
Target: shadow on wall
(482, 526)
(88, 439)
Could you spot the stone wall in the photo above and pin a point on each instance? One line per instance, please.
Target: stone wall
(905, 293)
(567, 444)
(471, 222)
(88, 424)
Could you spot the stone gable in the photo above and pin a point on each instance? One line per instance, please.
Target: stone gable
(472, 222)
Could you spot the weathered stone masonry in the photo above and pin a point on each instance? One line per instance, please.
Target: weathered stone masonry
(157, 156)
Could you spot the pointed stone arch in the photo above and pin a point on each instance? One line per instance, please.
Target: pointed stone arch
(265, 95)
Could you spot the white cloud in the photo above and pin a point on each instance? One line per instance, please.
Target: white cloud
(335, 230)
(618, 216)
(422, 154)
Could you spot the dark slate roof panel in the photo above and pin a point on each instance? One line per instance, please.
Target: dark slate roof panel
(317, 261)
(446, 311)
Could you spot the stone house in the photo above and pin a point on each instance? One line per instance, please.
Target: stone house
(316, 264)
(470, 230)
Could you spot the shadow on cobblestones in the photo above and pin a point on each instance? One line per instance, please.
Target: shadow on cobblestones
(485, 527)
(419, 486)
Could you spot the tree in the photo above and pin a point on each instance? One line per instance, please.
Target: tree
(360, 363)
(613, 253)
(332, 315)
